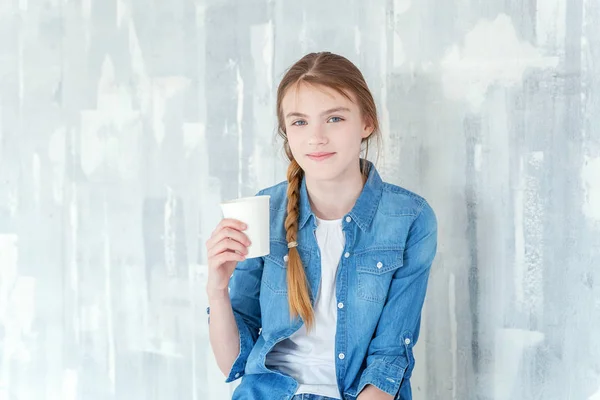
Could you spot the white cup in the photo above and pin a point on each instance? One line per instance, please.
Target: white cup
(254, 212)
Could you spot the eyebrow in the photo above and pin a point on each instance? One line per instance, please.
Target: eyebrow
(331, 110)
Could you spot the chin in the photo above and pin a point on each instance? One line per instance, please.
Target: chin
(321, 172)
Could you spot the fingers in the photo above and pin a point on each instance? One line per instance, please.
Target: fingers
(229, 244)
(228, 235)
(231, 223)
(226, 256)
(227, 223)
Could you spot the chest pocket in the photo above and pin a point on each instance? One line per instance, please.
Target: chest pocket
(375, 269)
(274, 276)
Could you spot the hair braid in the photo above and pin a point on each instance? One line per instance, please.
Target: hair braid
(298, 289)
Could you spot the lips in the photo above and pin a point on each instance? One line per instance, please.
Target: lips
(319, 156)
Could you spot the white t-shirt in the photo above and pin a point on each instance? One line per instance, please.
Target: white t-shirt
(310, 359)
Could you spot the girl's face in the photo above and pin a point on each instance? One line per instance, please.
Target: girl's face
(324, 131)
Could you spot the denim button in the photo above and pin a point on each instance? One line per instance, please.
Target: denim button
(285, 258)
(347, 255)
(407, 341)
(340, 305)
(348, 219)
(341, 356)
(237, 375)
(379, 265)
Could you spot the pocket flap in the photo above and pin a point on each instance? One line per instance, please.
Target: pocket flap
(377, 262)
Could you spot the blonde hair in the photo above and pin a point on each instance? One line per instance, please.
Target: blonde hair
(338, 73)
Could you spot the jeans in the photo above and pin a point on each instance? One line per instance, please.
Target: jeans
(308, 396)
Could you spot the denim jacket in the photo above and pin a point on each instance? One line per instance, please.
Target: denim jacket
(391, 241)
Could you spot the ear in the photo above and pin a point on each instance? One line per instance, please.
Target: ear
(367, 129)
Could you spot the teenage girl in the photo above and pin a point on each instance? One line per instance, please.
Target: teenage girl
(333, 312)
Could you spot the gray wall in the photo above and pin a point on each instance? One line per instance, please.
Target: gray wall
(123, 123)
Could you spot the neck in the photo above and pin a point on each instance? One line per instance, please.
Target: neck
(334, 199)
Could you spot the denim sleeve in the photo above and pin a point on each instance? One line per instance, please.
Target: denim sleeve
(390, 357)
(244, 289)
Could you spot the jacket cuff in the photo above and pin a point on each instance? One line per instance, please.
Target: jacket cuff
(246, 345)
(386, 376)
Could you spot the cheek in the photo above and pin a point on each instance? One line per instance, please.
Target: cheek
(294, 137)
(349, 139)
(294, 141)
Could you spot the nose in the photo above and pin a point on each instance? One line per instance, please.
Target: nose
(317, 136)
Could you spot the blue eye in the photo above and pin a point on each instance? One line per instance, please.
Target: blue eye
(338, 119)
(296, 122)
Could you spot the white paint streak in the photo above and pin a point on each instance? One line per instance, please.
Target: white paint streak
(261, 45)
(194, 322)
(511, 345)
(162, 90)
(86, 9)
(590, 178)
(35, 172)
(1, 124)
(533, 280)
(23, 303)
(384, 122)
(302, 35)
(169, 235)
(595, 396)
(492, 54)
(11, 340)
(69, 385)
(8, 270)
(399, 55)
(73, 231)
(192, 133)
(141, 81)
(12, 200)
(357, 35)
(110, 133)
(20, 64)
(519, 204)
(401, 6)
(268, 51)
(152, 94)
(56, 155)
(239, 120)
(263, 104)
(73, 234)
(536, 158)
(110, 339)
(90, 318)
(550, 24)
(453, 331)
(123, 12)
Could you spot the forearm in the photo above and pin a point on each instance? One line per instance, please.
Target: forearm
(223, 330)
(371, 392)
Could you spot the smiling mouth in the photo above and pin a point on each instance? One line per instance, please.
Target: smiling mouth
(319, 156)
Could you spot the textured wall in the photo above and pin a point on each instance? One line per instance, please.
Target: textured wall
(123, 123)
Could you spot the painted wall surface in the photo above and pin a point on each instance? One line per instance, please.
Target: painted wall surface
(123, 123)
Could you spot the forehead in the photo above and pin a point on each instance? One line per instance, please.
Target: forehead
(306, 97)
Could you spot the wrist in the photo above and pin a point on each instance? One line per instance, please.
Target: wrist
(217, 295)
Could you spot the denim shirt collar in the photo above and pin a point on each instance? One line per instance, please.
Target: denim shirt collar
(364, 208)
